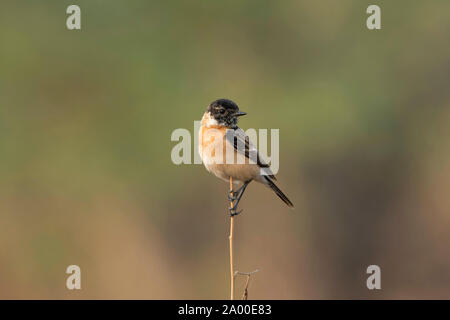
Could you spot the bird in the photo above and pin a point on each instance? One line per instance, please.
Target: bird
(226, 151)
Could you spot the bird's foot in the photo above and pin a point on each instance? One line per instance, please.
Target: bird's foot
(232, 196)
(233, 211)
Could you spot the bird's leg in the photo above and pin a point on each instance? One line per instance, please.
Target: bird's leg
(233, 195)
(241, 193)
(236, 197)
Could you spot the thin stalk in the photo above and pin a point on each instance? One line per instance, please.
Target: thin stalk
(230, 237)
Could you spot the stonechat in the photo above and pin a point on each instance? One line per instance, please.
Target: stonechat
(226, 151)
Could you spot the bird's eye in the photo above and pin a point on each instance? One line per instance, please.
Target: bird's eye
(222, 111)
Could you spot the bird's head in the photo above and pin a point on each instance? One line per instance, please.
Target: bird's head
(224, 112)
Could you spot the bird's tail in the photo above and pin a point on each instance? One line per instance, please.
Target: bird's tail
(277, 190)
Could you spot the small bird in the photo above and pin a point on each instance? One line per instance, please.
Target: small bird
(220, 134)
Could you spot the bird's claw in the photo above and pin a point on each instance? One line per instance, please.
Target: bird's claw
(235, 197)
(232, 196)
(233, 211)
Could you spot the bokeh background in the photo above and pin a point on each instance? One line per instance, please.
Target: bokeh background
(86, 176)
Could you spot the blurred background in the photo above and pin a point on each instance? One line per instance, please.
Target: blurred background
(86, 174)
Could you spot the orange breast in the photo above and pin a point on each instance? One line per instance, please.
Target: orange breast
(209, 137)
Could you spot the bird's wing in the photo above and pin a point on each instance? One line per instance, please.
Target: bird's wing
(241, 143)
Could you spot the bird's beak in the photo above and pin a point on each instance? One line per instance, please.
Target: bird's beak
(240, 113)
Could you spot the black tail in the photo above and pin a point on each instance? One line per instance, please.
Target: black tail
(279, 193)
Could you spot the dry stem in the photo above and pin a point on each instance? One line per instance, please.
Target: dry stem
(233, 274)
(248, 274)
(231, 245)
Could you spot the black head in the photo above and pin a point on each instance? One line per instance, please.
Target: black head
(225, 112)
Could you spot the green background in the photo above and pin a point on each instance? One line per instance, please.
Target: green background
(86, 176)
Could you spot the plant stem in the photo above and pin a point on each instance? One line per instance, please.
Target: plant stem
(231, 245)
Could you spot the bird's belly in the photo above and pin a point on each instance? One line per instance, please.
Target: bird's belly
(240, 169)
(239, 172)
